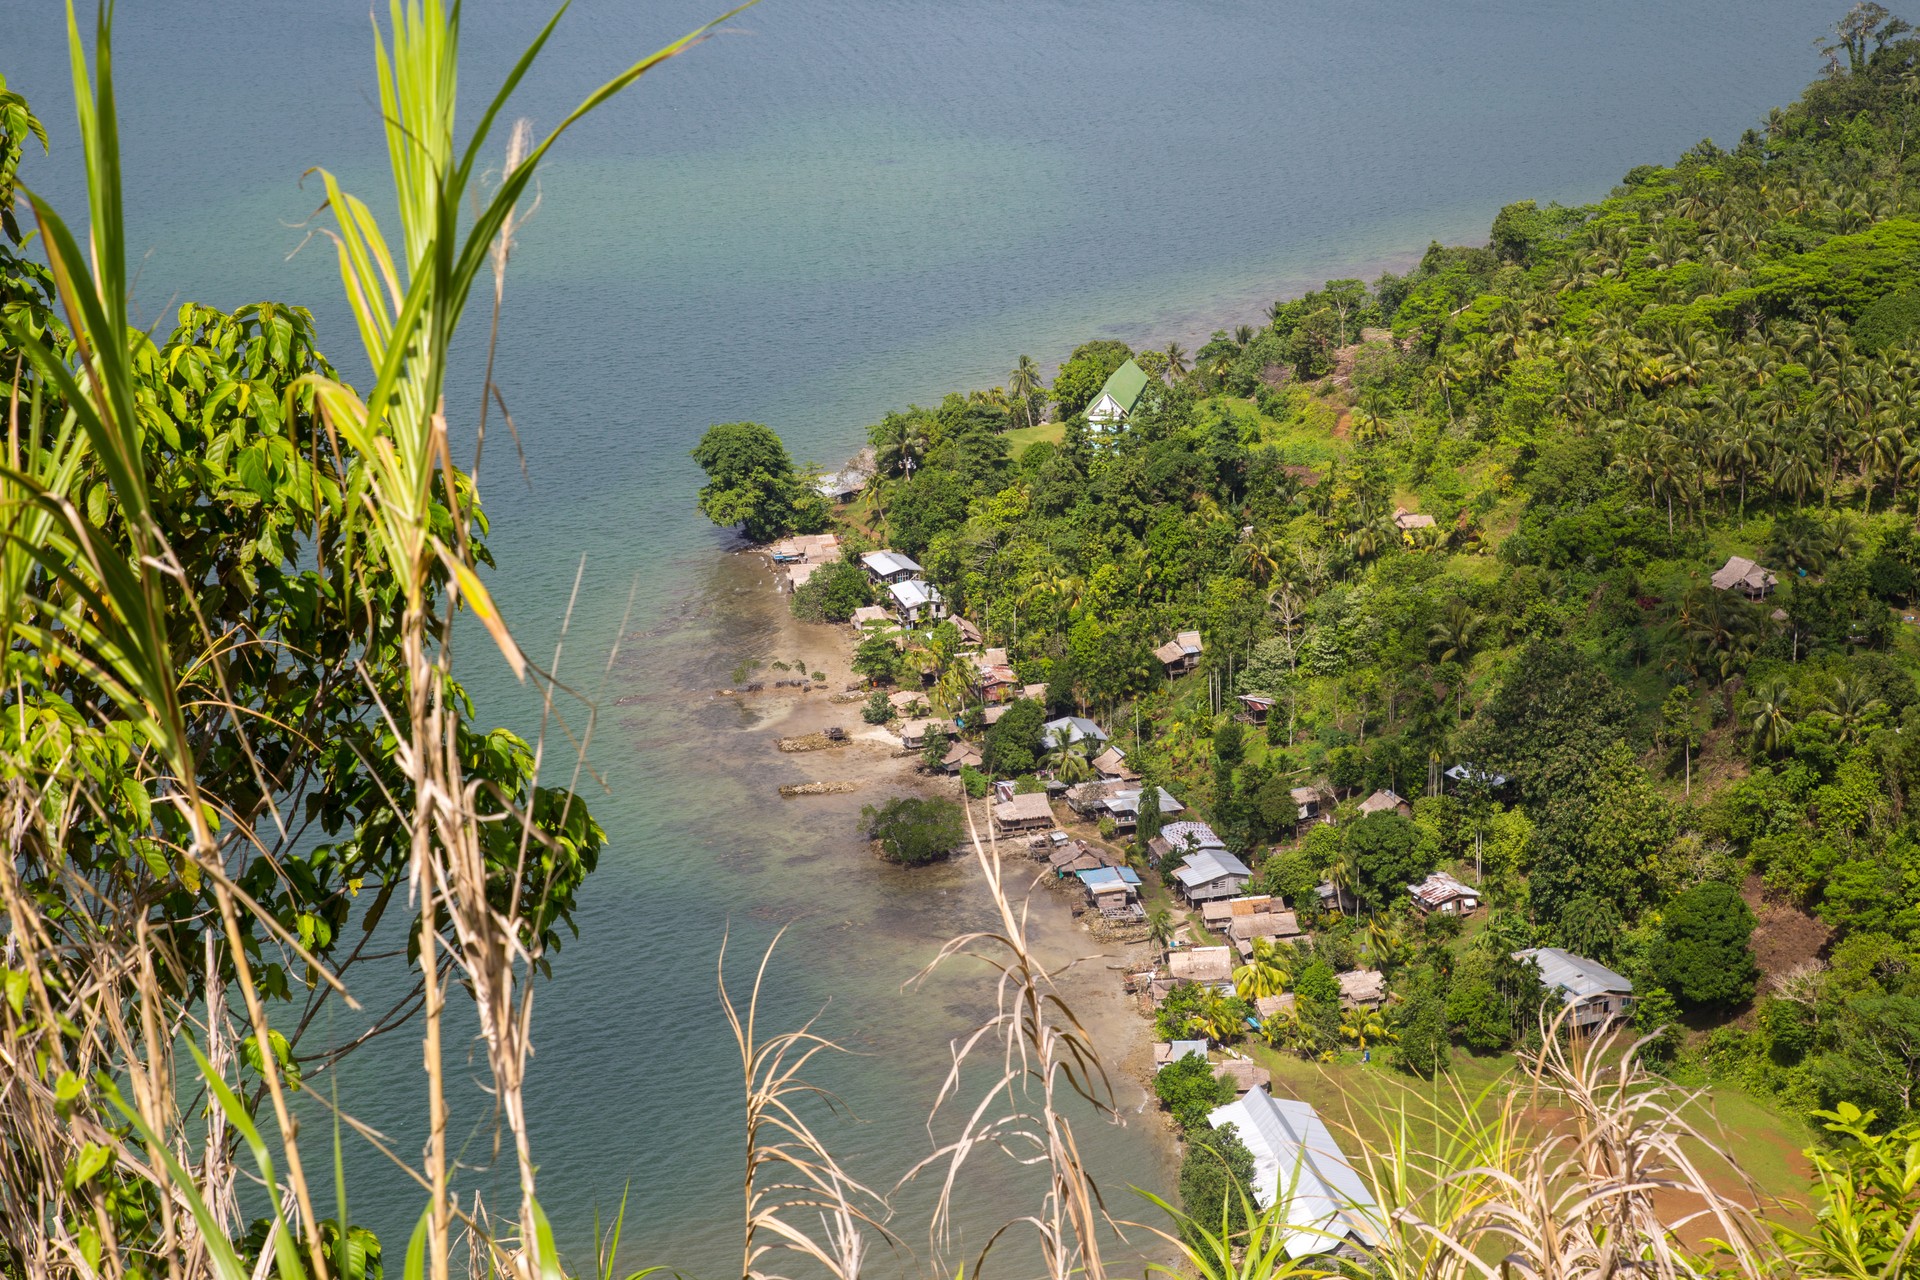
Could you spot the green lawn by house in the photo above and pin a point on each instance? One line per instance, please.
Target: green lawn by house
(1043, 433)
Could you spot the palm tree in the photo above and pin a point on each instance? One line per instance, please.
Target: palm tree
(1218, 1017)
(1071, 762)
(1852, 707)
(1161, 928)
(1176, 361)
(1457, 634)
(1242, 334)
(1363, 1026)
(1267, 971)
(1023, 383)
(1768, 716)
(900, 443)
(952, 689)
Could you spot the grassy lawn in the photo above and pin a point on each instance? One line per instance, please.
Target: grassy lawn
(1370, 1099)
(1045, 433)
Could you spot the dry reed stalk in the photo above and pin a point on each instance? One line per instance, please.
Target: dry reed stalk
(788, 1168)
(1046, 1058)
(1606, 1193)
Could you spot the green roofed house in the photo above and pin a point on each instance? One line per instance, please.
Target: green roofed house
(1116, 399)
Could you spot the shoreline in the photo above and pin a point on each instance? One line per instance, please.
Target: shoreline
(1085, 970)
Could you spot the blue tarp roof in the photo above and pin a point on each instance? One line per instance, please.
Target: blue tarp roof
(1109, 875)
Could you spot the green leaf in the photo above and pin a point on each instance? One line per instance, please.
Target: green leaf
(87, 1165)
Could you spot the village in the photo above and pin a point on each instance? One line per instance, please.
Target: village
(1215, 954)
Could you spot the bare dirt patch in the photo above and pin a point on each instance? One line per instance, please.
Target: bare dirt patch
(1785, 937)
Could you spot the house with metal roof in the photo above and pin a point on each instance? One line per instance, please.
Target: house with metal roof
(1296, 1162)
(1068, 730)
(1441, 892)
(1123, 806)
(890, 566)
(842, 486)
(1110, 408)
(1210, 874)
(1185, 837)
(917, 599)
(1168, 1052)
(1593, 994)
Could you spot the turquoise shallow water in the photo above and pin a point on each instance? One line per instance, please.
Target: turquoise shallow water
(836, 207)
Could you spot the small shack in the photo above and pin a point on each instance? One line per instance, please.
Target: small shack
(1385, 800)
(1023, 813)
(1363, 988)
(1255, 707)
(1441, 892)
(1310, 803)
(1111, 765)
(960, 755)
(870, 615)
(1743, 575)
(1245, 1074)
(1181, 654)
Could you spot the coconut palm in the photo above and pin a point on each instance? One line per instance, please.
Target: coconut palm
(1851, 706)
(1769, 717)
(1024, 383)
(900, 444)
(1364, 1027)
(1242, 334)
(1267, 971)
(1176, 361)
(1457, 632)
(1161, 928)
(1218, 1017)
(1072, 761)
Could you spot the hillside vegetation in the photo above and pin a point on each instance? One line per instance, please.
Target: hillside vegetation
(1597, 409)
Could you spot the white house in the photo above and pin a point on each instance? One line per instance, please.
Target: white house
(917, 599)
(1296, 1161)
(1110, 408)
(1594, 994)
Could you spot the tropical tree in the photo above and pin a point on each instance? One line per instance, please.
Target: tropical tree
(1267, 971)
(899, 443)
(1071, 762)
(1177, 365)
(1769, 715)
(1456, 634)
(1024, 384)
(1364, 1027)
(1161, 928)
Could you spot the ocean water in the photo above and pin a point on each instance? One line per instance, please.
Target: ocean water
(832, 208)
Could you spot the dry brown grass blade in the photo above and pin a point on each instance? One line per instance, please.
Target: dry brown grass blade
(789, 1170)
(1046, 1057)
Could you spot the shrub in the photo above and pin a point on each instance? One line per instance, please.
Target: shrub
(1702, 956)
(977, 784)
(912, 831)
(1190, 1089)
(832, 594)
(1216, 1172)
(877, 709)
